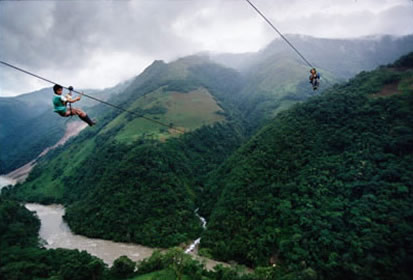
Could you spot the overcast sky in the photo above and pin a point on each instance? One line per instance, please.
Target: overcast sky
(96, 44)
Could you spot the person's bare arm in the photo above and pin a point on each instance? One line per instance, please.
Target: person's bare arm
(70, 100)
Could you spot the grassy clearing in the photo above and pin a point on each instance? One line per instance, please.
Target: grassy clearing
(388, 90)
(166, 274)
(406, 85)
(185, 111)
(396, 88)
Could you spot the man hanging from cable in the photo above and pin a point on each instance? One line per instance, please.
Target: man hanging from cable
(60, 102)
(314, 78)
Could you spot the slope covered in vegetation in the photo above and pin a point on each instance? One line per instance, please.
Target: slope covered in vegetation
(132, 180)
(326, 187)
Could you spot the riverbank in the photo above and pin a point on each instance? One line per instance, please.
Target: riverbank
(56, 234)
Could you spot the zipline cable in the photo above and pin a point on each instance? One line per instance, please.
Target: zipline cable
(283, 37)
(94, 98)
(279, 33)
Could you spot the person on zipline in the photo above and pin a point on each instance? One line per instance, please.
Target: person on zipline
(60, 102)
(314, 78)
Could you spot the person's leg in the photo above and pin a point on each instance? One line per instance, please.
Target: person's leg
(82, 115)
(75, 112)
(315, 85)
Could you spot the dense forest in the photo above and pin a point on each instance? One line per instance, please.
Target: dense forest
(326, 187)
(145, 193)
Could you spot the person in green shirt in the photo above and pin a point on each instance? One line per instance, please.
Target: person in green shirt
(60, 102)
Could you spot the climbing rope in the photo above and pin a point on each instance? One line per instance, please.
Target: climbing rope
(94, 98)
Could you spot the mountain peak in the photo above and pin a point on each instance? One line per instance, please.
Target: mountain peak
(157, 62)
(192, 60)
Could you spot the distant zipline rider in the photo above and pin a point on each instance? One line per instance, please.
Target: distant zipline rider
(314, 78)
(60, 102)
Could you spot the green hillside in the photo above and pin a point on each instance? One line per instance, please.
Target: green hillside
(186, 104)
(276, 84)
(326, 188)
(133, 180)
(146, 193)
(184, 110)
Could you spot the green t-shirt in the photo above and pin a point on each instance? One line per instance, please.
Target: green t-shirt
(59, 103)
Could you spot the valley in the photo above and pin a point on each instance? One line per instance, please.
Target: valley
(293, 183)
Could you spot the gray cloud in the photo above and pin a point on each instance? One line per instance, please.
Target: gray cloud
(99, 43)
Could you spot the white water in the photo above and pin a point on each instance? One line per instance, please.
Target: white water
(194, 245)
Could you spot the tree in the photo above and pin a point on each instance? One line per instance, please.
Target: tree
(177, 260)
(123, 267)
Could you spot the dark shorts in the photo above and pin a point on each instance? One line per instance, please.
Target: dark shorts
(61, 113)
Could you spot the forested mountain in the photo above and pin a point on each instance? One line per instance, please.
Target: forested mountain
(29, 124)
(130, 179)
(325, 189)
